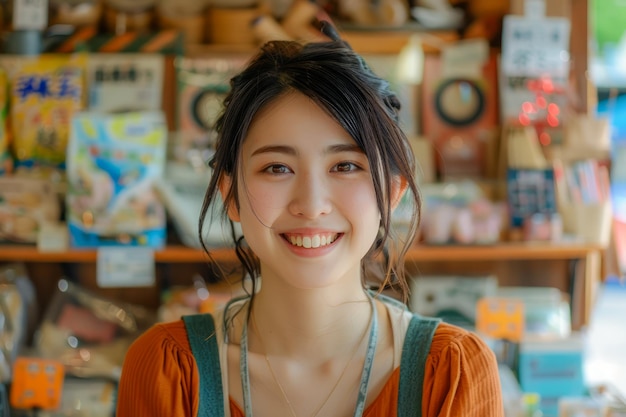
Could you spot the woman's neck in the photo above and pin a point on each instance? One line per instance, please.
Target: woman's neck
(312, 324)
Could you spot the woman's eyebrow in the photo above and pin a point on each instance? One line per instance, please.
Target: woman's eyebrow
(288, 150)
(275, 149)
(344, 147)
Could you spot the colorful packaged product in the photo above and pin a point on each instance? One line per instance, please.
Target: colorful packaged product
(25, 205)
(6, 163)
(46, 91)
(88, 333)
(113, 161)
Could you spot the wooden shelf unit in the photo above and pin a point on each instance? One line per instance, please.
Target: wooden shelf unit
(574, 268)
(448, 253)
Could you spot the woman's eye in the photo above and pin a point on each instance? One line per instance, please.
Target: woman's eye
(277, 169)
(345, 167)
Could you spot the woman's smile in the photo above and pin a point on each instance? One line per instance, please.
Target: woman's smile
(312, 240)
(311, 245)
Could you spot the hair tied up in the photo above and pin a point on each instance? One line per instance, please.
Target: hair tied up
(329, 31)
(389, 98)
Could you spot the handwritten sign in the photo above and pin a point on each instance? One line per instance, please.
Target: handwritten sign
(535, 47)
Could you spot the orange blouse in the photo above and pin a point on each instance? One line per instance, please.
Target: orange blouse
(160, 378)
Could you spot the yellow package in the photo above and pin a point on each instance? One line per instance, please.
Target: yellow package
(6, 164)
(45, 94)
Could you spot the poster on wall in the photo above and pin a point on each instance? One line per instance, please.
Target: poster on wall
(534, 69)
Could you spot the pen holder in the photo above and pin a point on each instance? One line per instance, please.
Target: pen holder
(590, 222)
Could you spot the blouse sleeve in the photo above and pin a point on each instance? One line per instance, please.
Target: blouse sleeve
(159, 375)
(461, 376)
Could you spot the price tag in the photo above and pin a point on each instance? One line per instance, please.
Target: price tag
(535, 47)
(125, 267)
(53, 237)
(30, 14)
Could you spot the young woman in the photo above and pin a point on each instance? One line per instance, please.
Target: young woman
(311, 162)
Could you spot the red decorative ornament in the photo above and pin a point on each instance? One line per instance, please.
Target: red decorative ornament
(541, 113)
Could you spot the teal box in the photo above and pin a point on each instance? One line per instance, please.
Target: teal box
(552, 369)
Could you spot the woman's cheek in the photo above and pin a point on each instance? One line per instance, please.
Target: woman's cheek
(359, 196)
(265, 199)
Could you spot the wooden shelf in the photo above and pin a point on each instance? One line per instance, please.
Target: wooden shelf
(572, 267)
(171, 254)
(384, 41)
(502, 252)
(183, 254)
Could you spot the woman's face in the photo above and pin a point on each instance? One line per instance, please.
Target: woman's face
(307, 201)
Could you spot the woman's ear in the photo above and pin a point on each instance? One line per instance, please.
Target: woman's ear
(398, 188)
(225, 184)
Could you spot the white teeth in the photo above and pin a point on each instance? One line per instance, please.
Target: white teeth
(314, 241)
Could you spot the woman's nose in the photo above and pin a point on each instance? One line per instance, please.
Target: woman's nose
(311, 197)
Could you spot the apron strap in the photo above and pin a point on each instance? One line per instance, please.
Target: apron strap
(203, 341)
(418, 339)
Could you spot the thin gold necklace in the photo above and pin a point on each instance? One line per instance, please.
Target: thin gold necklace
(280, 386)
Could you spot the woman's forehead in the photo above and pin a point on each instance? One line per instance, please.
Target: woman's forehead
(292, 118)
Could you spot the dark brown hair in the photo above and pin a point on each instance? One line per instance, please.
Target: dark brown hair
(338, 80)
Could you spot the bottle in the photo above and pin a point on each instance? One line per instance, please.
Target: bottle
(531, 402)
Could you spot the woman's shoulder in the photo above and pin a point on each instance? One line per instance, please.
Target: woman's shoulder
(451, 340)
(446, 335)
(161, 355)
(461, 375)
(164, 337)
(447, 340)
